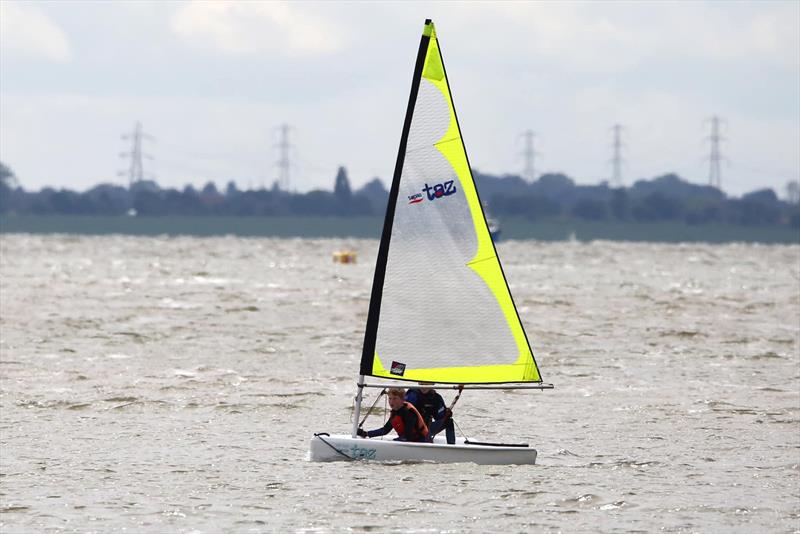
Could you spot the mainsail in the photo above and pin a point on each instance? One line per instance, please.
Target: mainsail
(440, 309)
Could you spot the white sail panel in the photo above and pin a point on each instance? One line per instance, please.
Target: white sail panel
(445, 313)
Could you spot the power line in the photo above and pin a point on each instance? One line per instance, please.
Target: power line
(793, 192)
(529, 153)
(775, 173)
(616, 160)
(284, 164)
(135, 170)
(715, 156)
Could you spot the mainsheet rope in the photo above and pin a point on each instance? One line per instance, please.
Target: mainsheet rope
(383, 391)
(323, 440)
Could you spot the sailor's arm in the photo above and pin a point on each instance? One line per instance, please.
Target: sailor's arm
(382, 431)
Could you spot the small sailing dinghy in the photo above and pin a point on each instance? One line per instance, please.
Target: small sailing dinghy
(440, 310)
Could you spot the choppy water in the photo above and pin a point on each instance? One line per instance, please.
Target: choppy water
(172, 385)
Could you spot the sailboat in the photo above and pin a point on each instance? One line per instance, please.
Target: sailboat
(440, 311)
(492, 224)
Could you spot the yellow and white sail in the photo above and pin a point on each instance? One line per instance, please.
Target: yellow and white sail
(441, 310)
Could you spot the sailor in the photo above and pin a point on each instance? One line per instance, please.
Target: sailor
(436, 415)
(404, 418)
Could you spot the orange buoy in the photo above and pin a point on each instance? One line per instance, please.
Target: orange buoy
(345, 256)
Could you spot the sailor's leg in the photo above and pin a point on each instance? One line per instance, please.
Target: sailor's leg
(434, 428)
(450, 431)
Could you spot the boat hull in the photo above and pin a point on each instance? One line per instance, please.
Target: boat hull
(328, 448)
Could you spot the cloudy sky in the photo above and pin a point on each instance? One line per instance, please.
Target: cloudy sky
(212, 82)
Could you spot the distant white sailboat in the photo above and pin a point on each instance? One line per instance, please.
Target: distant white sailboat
(440, 311)
(492, 223)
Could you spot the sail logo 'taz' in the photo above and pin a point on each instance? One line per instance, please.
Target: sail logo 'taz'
(433, 192)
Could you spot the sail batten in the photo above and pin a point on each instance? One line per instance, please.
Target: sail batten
(440, 309)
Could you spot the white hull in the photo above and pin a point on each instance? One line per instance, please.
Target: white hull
(326, 448)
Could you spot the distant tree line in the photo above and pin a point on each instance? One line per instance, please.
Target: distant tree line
(665, 198)
(147, 198)
(552, 196)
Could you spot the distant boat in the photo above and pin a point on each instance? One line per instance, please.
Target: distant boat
(440, 311)
(492, 223)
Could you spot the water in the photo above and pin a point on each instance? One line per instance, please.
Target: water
(172, 384)
(370, 227)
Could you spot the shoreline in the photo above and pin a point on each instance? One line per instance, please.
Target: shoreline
(370, 227)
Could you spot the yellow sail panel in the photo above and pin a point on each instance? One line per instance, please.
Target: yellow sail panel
(446, 314)
(481, 374)
(485, 262)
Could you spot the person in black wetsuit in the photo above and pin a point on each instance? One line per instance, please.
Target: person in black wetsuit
(404, 418)
(435, 413)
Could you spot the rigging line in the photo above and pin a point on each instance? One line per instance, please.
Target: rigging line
(780, 173)
(461, 431)
(449, 140)
(488, 258)
(323, 440)
(204, 153)
(453, 405)
(458, 396)
(383, 391)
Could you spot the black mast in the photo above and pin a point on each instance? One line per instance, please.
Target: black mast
(371, 331)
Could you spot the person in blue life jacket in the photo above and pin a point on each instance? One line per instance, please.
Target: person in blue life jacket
(405, 419)
(435, 413)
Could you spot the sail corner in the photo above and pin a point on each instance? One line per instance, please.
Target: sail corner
(429, 30)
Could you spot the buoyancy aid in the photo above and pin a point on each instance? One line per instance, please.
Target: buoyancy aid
(420, 430)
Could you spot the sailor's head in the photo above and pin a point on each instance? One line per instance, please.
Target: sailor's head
(396, 397)
(425, 386)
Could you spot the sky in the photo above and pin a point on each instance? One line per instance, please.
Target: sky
(212, 82)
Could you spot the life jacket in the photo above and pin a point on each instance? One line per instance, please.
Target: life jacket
(420, 431)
